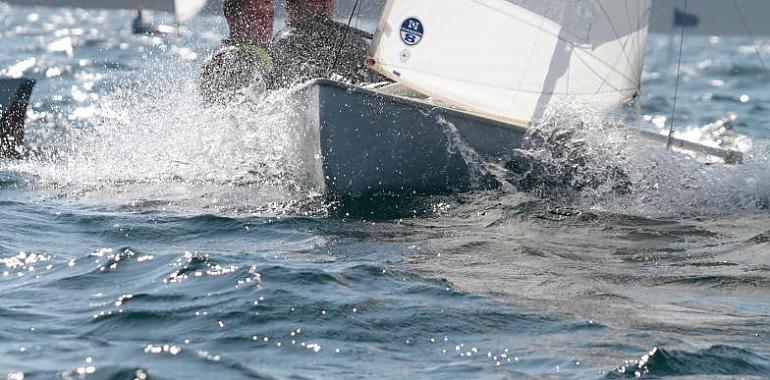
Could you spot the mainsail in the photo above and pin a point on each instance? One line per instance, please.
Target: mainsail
(512, 59)
(183, 9)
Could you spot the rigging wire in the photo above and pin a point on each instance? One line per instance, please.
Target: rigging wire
(676, 87)
(751, 35)
(344, 37)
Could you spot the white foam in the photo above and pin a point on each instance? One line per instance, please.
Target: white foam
(662, 182)
(165, 145)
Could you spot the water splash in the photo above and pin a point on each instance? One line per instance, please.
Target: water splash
(484, 174)
(164, 144)
(579, 157)
(558, 159)
(116, 119)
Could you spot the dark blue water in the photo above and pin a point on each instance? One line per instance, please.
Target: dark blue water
(147, 237)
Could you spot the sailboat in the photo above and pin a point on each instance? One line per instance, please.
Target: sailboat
(182, 9)
(471, 77)
(14, 98)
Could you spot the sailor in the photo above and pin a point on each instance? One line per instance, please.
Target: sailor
(242, 62)
(313, 46)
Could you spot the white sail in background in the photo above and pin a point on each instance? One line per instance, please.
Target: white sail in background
(183, 9)
(511, 59)
(187, 9)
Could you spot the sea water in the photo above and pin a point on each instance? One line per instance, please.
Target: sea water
(149, 237)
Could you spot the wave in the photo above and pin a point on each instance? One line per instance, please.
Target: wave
(715, 360)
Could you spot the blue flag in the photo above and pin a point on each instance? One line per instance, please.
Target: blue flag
(682, 18)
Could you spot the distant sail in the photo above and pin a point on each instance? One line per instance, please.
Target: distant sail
(187, 9)
(711, 17)
(183, 9)
(511, 59)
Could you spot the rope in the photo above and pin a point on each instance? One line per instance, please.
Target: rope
(344, 37)
(676, 87)
(753, 40)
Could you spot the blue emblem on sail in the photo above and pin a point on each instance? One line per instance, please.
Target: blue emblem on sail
(685, 19)
(412, 31)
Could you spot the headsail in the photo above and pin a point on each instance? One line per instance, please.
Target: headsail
(183, 9)
(511, 59)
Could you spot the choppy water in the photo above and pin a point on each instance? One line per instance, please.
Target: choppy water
(149, 238)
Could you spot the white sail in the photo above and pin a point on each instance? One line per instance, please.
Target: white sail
(187, 9)
(511, 59)
(183, 9)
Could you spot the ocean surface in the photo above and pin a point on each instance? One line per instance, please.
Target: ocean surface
(148, 237)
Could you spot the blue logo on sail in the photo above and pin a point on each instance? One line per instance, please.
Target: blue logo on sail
(412, 31)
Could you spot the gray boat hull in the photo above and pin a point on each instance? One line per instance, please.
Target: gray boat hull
(14, 98)
(364, 142)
